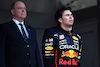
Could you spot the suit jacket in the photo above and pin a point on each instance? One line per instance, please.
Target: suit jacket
(14, 51)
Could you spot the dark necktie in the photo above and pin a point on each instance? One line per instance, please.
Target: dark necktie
(24, 34)
(26, 40)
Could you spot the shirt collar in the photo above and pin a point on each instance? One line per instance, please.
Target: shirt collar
(17, 22)
(66, 32)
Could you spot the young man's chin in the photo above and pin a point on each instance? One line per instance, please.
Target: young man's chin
(69, 23)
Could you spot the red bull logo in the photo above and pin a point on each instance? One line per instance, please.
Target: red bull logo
(64, 62)
(70, 53)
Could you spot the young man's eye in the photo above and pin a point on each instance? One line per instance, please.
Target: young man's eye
(71, 14)
(67, 14)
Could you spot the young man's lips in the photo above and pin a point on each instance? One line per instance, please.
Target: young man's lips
(70, 21)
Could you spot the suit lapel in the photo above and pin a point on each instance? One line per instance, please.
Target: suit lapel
(16, 29)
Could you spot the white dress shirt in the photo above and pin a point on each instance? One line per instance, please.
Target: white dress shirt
(18, 24)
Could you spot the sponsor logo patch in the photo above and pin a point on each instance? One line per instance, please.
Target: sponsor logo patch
(49, 48)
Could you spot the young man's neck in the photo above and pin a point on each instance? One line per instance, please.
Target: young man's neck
(67, 28)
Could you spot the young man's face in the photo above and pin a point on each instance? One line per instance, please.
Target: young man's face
(67, 18)
(19, 12)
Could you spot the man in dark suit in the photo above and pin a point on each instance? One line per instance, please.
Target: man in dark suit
(18, 44)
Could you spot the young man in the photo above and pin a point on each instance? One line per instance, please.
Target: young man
(18, 44)
(61, 46)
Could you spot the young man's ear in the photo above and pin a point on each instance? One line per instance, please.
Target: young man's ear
(60, 20)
